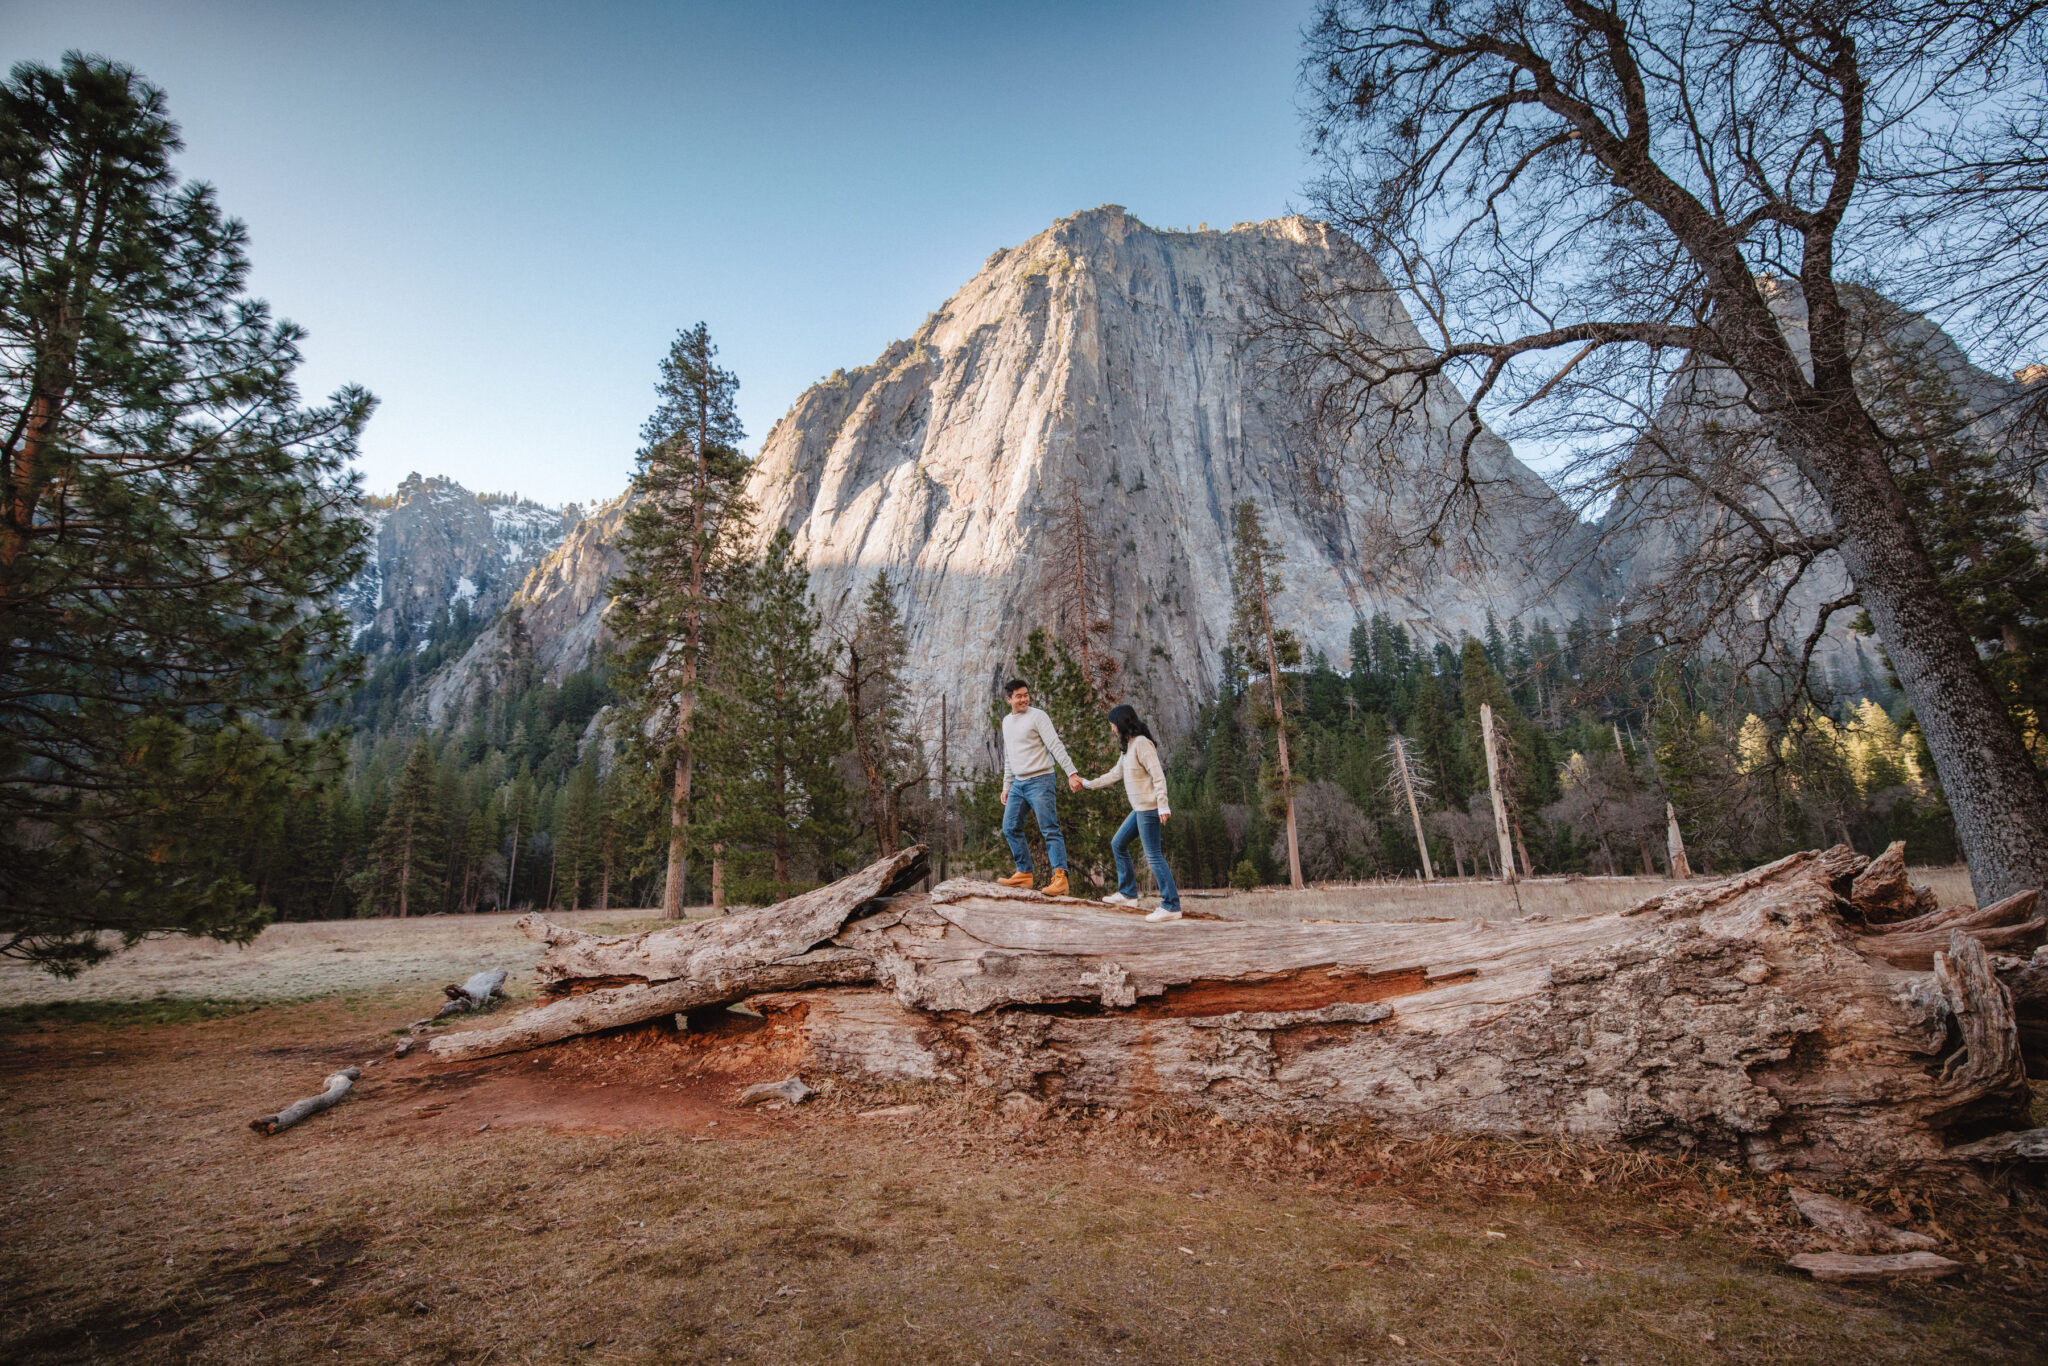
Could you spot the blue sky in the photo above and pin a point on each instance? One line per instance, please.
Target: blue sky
(496, 215)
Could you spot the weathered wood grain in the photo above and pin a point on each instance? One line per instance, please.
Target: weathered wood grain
(337, 1087)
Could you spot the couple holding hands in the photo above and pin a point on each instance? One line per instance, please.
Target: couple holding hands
(1030, 748)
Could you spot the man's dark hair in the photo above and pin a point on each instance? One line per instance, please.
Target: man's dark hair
(1012, 686)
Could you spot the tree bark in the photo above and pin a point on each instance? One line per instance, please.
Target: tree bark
(672, 889)
(1500, 811)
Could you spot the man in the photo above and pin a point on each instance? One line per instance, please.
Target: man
(1030, 746)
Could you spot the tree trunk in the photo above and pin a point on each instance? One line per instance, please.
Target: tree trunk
(1414, 811)
(1680, 868)
(338, 1086)
(672, 890)
(1500, 810)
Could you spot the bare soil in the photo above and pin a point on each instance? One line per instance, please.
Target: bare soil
(605, 1200)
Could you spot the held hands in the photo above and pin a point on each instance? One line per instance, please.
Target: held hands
(1074, 783)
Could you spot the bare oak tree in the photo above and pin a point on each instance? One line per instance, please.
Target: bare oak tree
(1576, 205)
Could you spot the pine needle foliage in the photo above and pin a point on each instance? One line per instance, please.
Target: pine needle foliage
(682, 550)
(172, 520)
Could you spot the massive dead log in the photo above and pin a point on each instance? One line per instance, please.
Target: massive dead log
(631, 978)
(1744, 1015)
(1757, 1015)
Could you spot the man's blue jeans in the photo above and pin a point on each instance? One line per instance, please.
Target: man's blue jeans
(1040, 793)
(1144, 827)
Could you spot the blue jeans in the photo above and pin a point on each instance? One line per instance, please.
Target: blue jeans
(1144, 827)
(1041, 794)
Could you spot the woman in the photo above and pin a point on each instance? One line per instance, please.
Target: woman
(1145, 785)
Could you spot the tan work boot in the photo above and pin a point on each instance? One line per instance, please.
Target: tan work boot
(1015, 880)
(1056, 885)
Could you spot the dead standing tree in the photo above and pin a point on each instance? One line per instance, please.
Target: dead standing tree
(1073, 583)
(1265, 649)
(1581, 202)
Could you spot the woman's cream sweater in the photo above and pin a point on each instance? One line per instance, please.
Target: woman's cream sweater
(1144, 777)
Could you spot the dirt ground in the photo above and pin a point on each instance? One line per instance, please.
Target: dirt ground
(604, 1200)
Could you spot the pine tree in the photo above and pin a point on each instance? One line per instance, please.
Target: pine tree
(773, 727)
(406, 872)
(1267, 649)
(680, 545)
(173, 527)
(878, 714)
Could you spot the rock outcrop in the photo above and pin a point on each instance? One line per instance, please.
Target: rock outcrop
(555, 618)
(439, 548)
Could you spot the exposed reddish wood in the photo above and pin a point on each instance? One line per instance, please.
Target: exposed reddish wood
(1883, 893)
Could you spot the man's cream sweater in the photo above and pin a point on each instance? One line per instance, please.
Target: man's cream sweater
(1144, 777)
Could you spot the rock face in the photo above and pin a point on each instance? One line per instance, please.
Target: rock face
(440, 547)
(555, 618)
(1105, 361)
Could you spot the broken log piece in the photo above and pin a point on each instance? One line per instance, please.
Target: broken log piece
(614, 1007)
(2011, 911)
(1757, 1027)
(1842, 1266)
(1834, 867)
(791, 1091)
(1882, 892)
(338, 1084)
(475, 994)
(706, 949)
(2008, 926)
(2023, 1145)
(1851, 1228)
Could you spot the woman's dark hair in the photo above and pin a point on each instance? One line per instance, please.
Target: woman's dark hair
(1128, 727)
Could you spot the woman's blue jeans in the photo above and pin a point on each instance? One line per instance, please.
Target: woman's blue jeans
(1144, 827)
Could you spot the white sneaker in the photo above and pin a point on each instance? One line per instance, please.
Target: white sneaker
(1119, 899)
(1163, 914)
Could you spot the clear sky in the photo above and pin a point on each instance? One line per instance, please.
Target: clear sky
(495, 215)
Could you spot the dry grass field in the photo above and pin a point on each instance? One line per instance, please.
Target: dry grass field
(604, 1201)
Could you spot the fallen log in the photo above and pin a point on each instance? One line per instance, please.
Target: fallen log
(338, 1084)
(1750, 1016)
(614, 1007)
(1743, 1016)
(473, 995)
(627, 979)
(1897, 1266)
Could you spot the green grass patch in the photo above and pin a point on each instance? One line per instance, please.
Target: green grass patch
(159, 1011)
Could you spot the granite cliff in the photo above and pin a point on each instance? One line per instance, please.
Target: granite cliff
(1106, 361)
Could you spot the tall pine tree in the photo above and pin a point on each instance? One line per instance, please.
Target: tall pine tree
(407, 862)
(773, 727)
(173, 529)
(680, 544)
